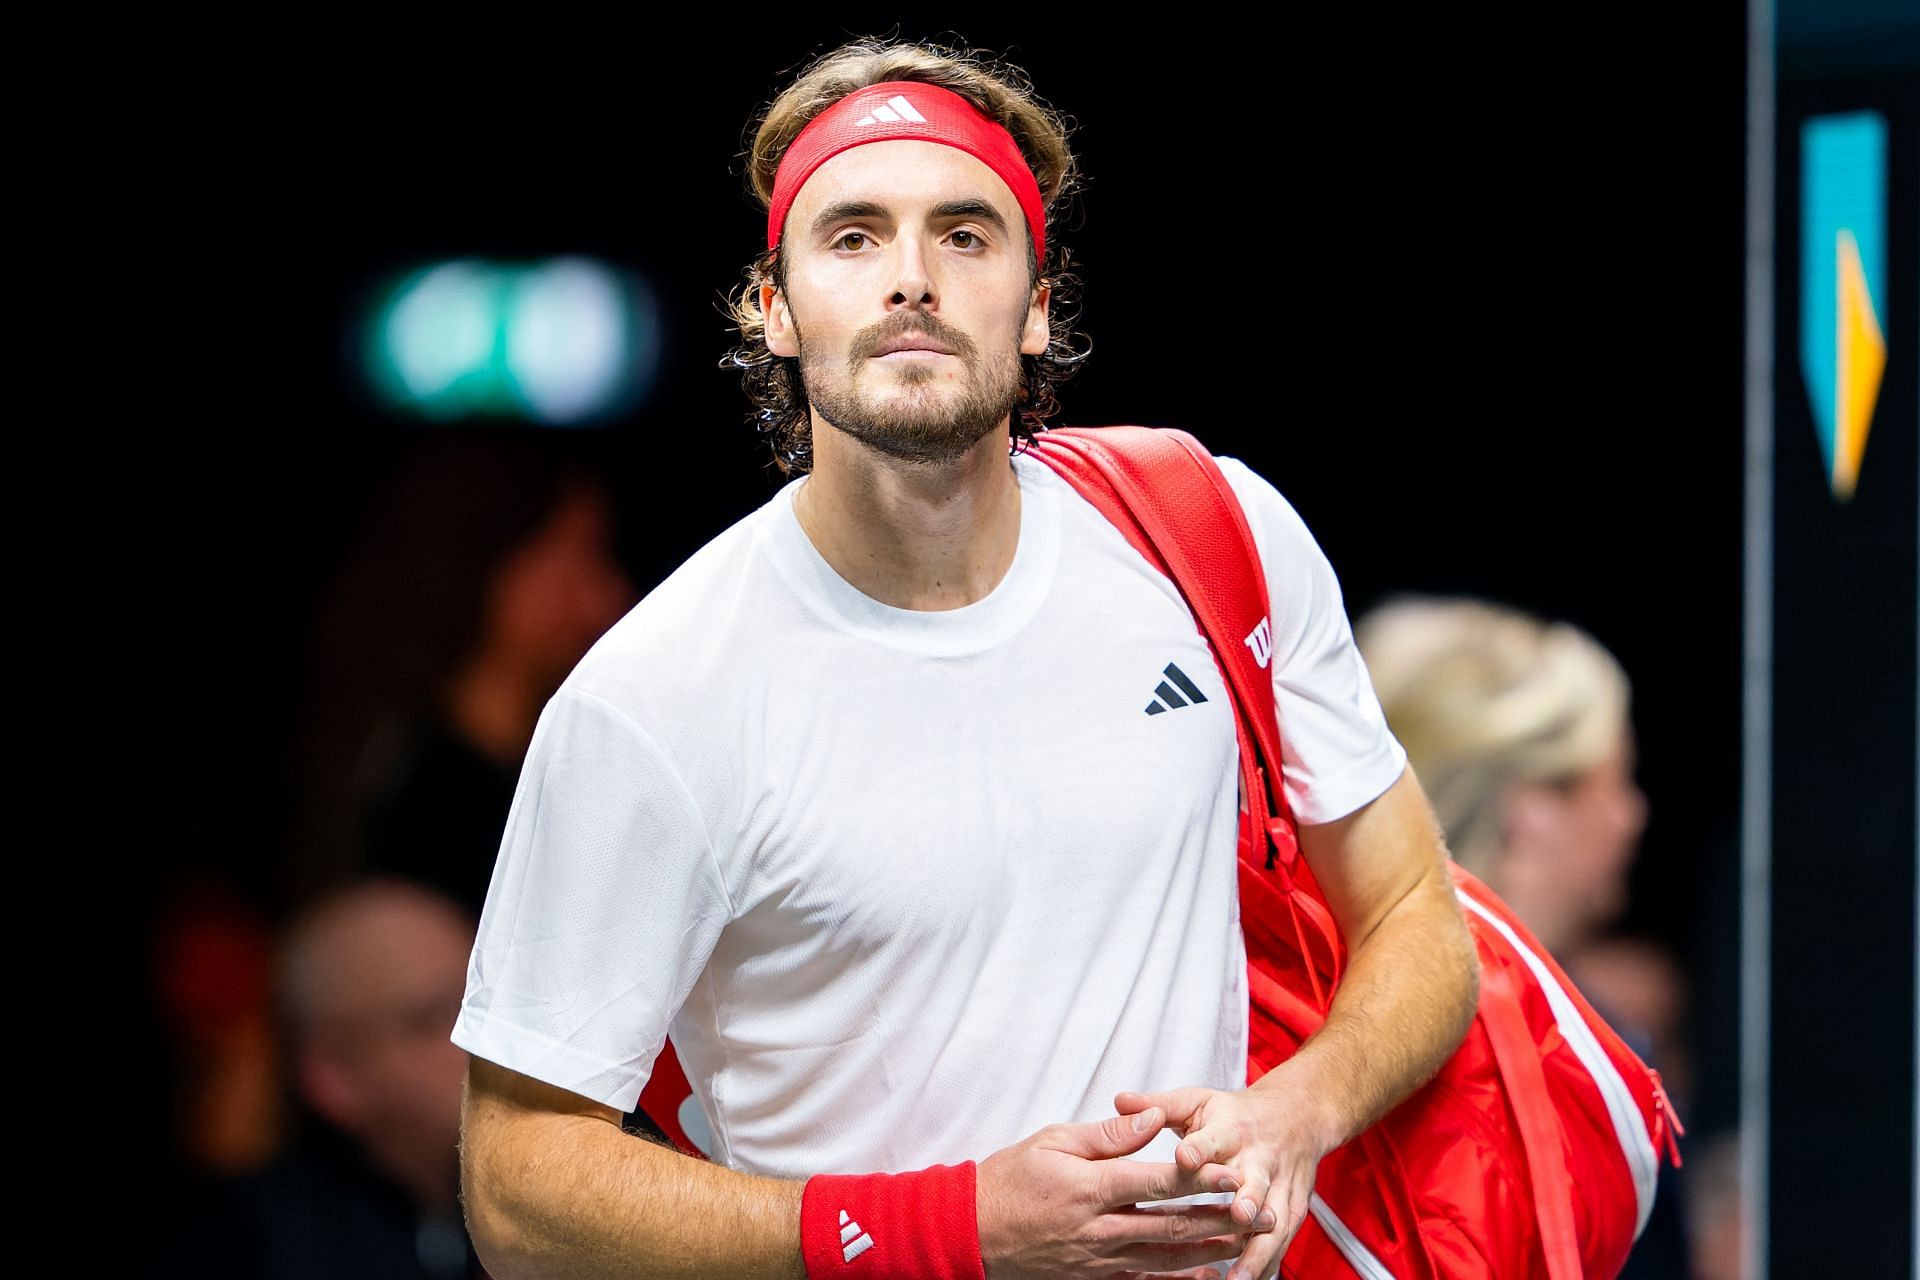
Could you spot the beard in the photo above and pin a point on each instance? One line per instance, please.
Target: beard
(922, 420)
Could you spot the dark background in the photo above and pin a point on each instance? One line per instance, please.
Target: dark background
(1844, 831)
(1481, 328)
(1469, 291)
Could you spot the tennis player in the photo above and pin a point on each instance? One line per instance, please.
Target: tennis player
(908, 804)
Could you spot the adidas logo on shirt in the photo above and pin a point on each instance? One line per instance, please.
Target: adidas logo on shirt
(1169, 696)
(853, 1240)
(896, 109)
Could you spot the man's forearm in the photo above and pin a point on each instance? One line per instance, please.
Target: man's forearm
(1403, 1005)
(576, 1197)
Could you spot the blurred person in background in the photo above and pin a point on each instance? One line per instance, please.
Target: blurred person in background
(1521, 731)
(486, 569)
(365, 981)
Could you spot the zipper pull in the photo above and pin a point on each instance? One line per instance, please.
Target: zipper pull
(1284, 843)
(1666, 1123)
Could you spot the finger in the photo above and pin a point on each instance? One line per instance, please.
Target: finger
(1260, 1260)
(1179, 1104)
(1131, 1182)
(1250, 1211)
(1219, 1177)
(1105, 1139)
(1290, 1227)
(1264, 1251)
(1163, 1224)
(1218, 1143)
(1197, 1273)
(1156, 1259)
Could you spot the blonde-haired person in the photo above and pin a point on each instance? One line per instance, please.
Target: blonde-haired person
(1520, 730)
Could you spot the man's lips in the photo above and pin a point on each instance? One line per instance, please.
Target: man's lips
(912, 345)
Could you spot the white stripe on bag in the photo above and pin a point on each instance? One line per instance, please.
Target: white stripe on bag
(1628, 1124)
(1357, 1255)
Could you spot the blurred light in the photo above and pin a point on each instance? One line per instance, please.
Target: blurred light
(440, 331)
(561, 342)
(566, 339)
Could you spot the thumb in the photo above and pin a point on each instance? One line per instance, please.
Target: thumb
(1114, 1136)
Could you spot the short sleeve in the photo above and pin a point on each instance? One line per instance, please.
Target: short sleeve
(1337, 752)
(604, 906)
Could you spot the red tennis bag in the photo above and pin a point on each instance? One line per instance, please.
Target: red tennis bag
(1473, 1174)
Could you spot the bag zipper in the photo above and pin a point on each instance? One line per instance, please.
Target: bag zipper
(1666, 1122)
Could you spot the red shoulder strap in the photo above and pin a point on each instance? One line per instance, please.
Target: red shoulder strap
(1163, 490)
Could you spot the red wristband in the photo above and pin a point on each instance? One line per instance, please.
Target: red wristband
(914, 1226)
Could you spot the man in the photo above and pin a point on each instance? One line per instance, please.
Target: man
(365, 980)
(862, 802)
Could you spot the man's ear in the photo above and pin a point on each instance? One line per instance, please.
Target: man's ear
(779, 321)
(1036, 335)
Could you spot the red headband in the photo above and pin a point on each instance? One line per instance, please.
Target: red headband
(906, 109)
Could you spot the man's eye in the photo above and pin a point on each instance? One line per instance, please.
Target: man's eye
(972, 239)
(851, 235)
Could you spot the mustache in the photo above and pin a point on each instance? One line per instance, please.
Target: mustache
(868, 341)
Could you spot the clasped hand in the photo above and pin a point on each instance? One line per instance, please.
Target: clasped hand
(1063, 1202)
(1256, 1141)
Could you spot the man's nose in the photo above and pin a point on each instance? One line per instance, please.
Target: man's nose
(912, 273)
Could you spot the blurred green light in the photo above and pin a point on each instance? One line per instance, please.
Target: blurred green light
(565, 341)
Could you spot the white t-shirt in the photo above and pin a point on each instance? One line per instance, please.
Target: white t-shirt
(906, 886)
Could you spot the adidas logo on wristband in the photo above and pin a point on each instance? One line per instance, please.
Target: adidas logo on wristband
(853, 1240)
(926, 1217)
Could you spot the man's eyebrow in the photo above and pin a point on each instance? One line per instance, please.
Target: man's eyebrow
(972, 207)
(847, 209)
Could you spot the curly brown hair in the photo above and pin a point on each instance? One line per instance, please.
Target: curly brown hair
(1003, 93)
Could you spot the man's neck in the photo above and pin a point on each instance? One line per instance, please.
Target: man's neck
(912, 535)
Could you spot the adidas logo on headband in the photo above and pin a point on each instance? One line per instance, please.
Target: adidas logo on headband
(893, 111)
